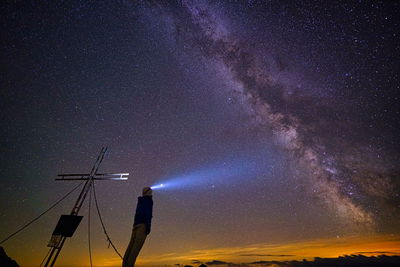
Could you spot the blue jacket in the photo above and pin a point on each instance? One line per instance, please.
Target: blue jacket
(144, 212)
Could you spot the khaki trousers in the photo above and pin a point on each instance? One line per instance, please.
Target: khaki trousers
(135, 245)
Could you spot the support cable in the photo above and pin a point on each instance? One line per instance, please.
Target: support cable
(45, 257)
(102, 224)
(40, 215)
(90, 205)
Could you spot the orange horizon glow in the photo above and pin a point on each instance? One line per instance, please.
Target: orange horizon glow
(75, 252)
(298, 250)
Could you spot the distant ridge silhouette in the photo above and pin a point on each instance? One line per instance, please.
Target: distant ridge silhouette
(347, 261)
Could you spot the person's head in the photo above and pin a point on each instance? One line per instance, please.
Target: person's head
(147, 191)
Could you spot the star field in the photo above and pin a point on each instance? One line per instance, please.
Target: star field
(276, 118)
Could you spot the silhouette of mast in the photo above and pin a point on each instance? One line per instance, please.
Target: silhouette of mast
(67, 224)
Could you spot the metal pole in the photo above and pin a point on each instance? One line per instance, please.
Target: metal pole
(78, 204)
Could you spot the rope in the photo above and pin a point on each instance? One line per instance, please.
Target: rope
(90, 205)
(102, 224)
(40, 215)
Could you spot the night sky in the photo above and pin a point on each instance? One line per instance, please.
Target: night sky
(273, 124)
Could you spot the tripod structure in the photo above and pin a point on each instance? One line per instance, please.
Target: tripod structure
(67, 224)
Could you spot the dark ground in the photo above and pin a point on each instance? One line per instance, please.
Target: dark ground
(6, 261)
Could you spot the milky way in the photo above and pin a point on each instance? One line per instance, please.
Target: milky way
(334, 166)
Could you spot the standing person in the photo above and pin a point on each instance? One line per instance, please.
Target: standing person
(141, 227)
